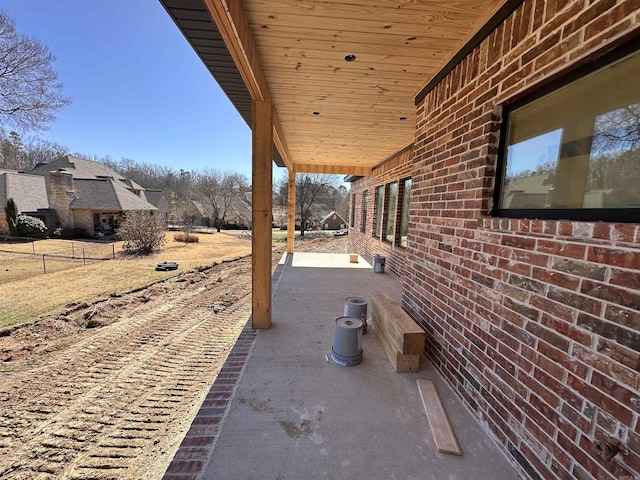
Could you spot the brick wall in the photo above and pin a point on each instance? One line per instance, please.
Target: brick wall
(395, 168)
(535, 324)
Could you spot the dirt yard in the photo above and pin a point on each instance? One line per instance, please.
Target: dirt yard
(107, 388)
(32, 293)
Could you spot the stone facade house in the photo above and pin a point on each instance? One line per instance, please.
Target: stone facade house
(90, 197)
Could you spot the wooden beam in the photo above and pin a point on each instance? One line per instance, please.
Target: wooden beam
(229, 17)
(332, 169)
(261, 186)
(291, 212)
(280, 143)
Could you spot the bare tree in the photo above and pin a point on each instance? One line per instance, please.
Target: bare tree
(142, 232)
(218, 190)
(17, 153)
(38, 150)
(30, 93)
(311, 188)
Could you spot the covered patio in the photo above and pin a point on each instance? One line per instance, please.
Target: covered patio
(279, 410)
(326, 87)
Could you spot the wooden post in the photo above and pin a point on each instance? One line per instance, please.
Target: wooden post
(291, 212)
(261, 187)
(44, 264)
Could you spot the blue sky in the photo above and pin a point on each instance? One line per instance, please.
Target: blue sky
(138, 90)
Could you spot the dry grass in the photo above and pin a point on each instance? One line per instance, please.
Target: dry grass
(25, 299)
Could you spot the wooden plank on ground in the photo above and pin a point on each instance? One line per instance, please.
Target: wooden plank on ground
(441, 430)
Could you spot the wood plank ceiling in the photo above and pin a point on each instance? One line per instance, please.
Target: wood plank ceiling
(341, 116)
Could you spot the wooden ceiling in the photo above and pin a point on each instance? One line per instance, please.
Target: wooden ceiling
(333, 115)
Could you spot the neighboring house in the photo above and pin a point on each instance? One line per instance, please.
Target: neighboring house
(200, 214)
(528, 192)
(539, 191)
(333, 221)
(29, 192)
(88, 195)
(158, 199)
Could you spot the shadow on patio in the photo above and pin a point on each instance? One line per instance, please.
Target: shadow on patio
(279, 410)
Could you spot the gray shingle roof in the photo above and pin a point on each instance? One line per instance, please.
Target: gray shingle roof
(131, 184)
(157, 199)
(28, 191)
(106, 194)
(78, 167)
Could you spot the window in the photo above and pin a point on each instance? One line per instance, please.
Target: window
(404, 211)
(574, 153)
(390, 212)
(377, 221)
(353, 210)
(365, 201)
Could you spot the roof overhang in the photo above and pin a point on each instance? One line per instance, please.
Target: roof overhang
(332, 115)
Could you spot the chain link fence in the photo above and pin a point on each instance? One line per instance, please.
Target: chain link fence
(28, 259)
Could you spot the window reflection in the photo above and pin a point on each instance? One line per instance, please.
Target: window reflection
(390, 212)
(578, 147)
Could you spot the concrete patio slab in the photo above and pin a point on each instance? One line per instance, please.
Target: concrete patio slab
(296, 416)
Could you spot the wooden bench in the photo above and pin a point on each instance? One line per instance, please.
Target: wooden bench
(402, 339)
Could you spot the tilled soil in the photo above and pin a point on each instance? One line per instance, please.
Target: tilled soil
(115, 401)
(108, 389)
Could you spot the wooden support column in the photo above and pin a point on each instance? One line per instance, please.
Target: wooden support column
(291, 212)
(261, 185)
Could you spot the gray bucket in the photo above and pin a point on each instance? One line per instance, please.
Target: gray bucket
(356, 307)
(347, 342)
(378, 263)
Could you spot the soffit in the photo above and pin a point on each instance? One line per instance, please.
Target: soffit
(301, 45)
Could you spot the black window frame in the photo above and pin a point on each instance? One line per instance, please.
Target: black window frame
(353, 210)
(614, 215)
(364, 208)
(401, 191)
(379, 210)
(388, 214)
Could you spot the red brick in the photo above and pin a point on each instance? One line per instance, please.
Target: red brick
(613, 257)
(190, 466)
(566, 329)
(626, 279)
(548, 306)
(600, 399)
(562, 248)
(619, 296)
